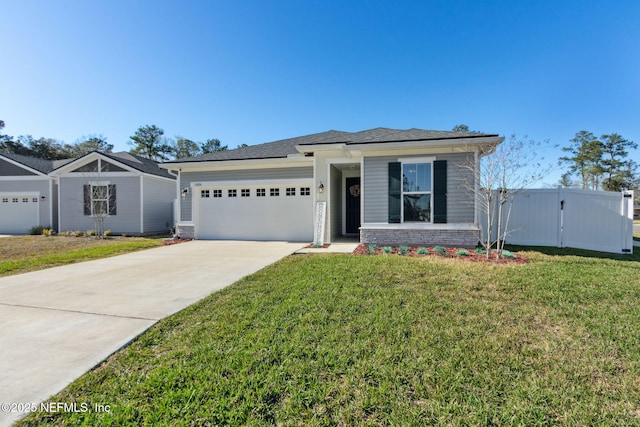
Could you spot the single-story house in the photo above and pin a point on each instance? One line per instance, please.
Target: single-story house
(386, 186)
(128, 193)
(28, 195)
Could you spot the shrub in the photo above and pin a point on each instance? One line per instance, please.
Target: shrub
(48, 232)
(36, 230)
(440, 250)
(77, 233)
(422, 251)
(90, 233)
(64, 233)
(479, 250)
(403, 249)
(508, 255)
(462, 252)
(107, 233)
(372, 248)
(386, 249)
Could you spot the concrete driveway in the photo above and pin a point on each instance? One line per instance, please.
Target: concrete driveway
(56, 324)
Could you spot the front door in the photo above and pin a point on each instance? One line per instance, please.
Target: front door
(352, 205)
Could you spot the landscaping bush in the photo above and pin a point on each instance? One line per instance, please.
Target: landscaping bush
(48, 232)
(508, 255)
(107, 233)
(91, 232)
(440, 250)
(386, 249)
(403, 249)
(371, 249)
(423, 251)
(36, 230)
(462, 252)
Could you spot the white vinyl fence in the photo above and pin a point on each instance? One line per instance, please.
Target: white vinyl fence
(566, 217)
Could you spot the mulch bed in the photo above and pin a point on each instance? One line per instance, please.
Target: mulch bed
(168, 242)
(449, 253)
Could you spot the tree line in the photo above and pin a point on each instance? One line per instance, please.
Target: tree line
(599, 163)
(147, 141)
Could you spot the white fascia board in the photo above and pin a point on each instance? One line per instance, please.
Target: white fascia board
(25, 167)
(218, 165)
(16, 178)
(254, 183)
(320, 147)
(457, 144)
(88, 158)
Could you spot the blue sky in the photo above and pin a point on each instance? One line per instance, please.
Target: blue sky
(257, 71)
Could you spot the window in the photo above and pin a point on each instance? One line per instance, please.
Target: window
(100, 199)
(14, 200)
(305, 191)
(261, 192)
(204, 193)
(416, 192)
(217, 193)
(232, 193)
(245, 192)
(25, 200)
(5, 200)
(34, 200)
(274, 192)
(291, 191)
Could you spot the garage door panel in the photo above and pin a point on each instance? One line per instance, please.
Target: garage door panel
(18, 213)
(255, 218)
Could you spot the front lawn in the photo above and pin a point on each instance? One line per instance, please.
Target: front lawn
(387, 340)
(20, 254)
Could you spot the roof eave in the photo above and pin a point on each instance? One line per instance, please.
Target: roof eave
(222, 163)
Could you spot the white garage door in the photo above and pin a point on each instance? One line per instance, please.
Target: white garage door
(18, 212)
(267, 212)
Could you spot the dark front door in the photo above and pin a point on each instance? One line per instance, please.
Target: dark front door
(352, 204)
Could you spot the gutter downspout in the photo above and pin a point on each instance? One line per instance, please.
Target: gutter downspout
(177, 203)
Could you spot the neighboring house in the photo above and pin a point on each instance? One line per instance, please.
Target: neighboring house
(386, 186)
(131, 193)
(28, 195)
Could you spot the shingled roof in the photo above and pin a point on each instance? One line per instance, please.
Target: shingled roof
(285, 147)
(41, 165)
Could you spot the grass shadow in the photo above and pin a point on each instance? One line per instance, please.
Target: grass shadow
(553, 251)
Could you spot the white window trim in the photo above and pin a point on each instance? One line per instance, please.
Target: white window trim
(416, 160)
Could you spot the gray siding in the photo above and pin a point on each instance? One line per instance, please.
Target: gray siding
(459, 200)
(9, 169)
(40, 186)
(127, 218)
(158, 204)
(186, 178)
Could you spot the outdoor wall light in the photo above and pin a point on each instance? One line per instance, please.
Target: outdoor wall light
(185, 191)
(43, 197)
(321, 187)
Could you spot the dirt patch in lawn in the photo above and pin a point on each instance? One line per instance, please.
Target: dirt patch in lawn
(19, 247)
(458, 253)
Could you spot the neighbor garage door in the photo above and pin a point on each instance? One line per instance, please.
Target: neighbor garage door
(18, 212)
(254, 212)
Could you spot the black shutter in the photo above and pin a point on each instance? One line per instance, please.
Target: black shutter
(395, 192)
(440, 191)
(87, 200)
(112, 199)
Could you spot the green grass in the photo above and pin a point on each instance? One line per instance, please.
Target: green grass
(29, 253)
(378, 340)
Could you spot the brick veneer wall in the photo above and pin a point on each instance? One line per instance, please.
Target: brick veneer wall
(421, 237)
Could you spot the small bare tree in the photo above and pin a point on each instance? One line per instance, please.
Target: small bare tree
(503, 171)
